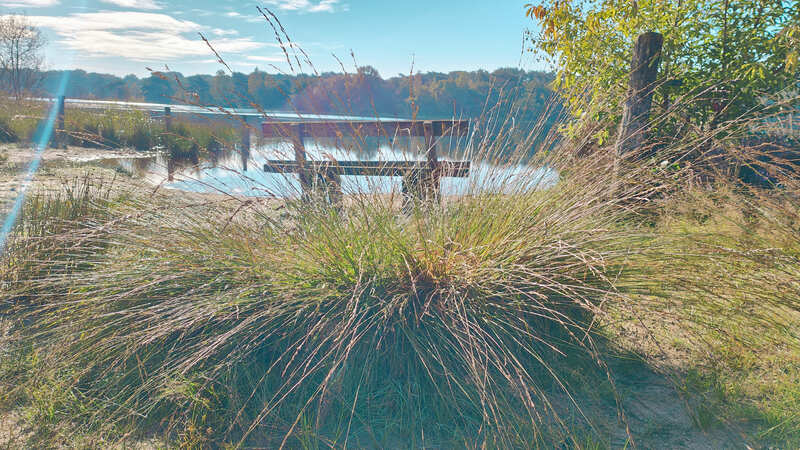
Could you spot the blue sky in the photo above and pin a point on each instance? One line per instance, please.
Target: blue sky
(127, 36)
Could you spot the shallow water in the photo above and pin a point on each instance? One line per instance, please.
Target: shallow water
(232, 172)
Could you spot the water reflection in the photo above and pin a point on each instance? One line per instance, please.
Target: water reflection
(237, 172)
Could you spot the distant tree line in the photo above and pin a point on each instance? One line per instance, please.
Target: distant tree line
(460, 94)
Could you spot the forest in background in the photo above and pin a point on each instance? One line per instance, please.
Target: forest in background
(433, 94)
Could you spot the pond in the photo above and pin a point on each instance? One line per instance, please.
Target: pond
(231, 171)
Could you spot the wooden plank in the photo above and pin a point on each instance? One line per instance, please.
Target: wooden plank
(459, 169)
(328, 128)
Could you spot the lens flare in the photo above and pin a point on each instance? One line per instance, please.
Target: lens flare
(44, 133)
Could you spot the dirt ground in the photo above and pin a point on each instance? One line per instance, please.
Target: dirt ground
(22, 154)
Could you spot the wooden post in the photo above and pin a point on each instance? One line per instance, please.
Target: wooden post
(300, 157)
(644, 70)
(167, 118)
(245, 143)
(333, 186)
(423, 185)
(431, 188)
(61, 137)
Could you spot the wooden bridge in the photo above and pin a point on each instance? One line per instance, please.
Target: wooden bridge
(421, 179)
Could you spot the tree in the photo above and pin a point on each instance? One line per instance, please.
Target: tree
(725, 54)
(156, 88)
(21, 58)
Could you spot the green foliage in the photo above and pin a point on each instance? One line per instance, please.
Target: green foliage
(18, 120)
(724, 55)
(188, 139)
(111, 129)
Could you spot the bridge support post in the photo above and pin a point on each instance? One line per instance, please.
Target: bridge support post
(423, 185)
(431, 183)
(245, 154)
(168, 118)
(306, 181)
(60, 131)
(333, 188)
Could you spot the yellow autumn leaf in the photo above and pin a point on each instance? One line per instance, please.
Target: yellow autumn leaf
(791, 61)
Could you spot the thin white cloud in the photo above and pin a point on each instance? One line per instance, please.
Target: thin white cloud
(135, 4)
(247, 18)
(120, 20)
(222, 32)
(305, 5)
(265, 58)
(29, 3)
(202, 12)
(137, 36)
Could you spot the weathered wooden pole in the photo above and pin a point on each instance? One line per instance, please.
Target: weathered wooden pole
(636, 112)
(167, 118)
(334, 186)
(423, 184)
(298, 136)
(432, 180)
(61, 138)
(245, 143)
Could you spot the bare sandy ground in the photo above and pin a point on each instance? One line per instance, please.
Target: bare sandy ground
(22, 154)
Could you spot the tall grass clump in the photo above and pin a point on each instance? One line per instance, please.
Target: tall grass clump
(194, 139)
(54, 233)
(456, 324)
